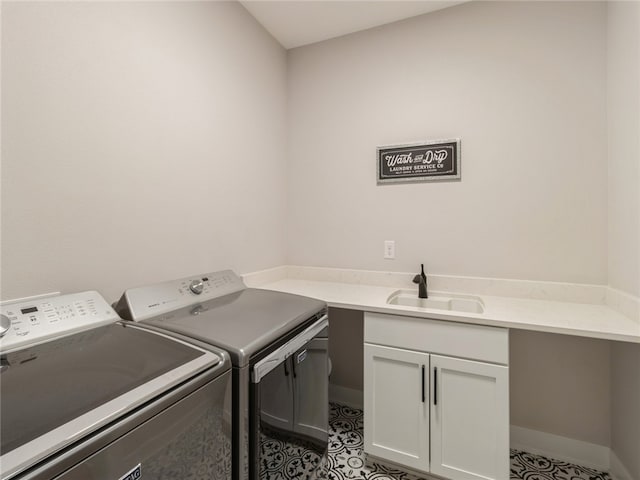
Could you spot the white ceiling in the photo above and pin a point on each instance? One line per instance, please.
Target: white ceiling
(299, 22)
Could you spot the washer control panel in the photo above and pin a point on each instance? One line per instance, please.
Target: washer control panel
(30, 322)
(144, 302)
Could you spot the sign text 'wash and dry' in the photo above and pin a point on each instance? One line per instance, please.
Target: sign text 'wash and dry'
(417, 162)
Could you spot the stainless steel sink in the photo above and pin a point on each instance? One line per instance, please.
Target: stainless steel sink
(437, 301)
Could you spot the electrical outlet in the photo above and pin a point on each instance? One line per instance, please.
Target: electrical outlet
(389, 249)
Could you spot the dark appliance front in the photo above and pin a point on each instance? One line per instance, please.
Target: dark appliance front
(289, 410)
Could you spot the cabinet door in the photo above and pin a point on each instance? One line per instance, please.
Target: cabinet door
(311, 378)
(469, 419)
(396, 405)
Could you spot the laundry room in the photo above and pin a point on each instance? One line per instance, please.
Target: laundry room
(224, 149)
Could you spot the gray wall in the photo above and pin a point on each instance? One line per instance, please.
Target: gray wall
(521, 83)
(141, 141)
(625, 406)
(623, 115)
(623, 82)
(346, 348)
(560, 384)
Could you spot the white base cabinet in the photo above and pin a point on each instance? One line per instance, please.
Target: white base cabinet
(396, 410)
(469, 419)
(432, 412)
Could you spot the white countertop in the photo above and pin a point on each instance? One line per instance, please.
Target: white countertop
(581, 319)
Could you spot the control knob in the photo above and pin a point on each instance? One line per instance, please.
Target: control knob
(5, 324)
(196, 286)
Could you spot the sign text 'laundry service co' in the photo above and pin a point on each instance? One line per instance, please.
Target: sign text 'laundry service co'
(419, 162)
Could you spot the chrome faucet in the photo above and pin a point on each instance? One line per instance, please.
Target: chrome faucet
(421, 280)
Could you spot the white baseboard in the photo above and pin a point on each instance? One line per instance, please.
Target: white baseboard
(561, 448)
(618, 471)
(345, 396)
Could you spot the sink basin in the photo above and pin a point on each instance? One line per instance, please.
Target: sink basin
(438, 301)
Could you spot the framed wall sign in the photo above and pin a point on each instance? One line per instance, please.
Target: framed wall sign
(419, 162)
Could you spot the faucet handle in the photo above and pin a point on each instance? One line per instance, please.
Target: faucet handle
(421, 280)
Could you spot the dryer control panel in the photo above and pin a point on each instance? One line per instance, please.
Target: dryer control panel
(145, 302)
(28, 322)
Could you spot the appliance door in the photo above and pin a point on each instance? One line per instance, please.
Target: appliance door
(190, 438)
(290, 414)
(93, 387)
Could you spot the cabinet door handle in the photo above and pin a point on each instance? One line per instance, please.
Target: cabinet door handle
(423, 395)
(286, 370)
(435, 385)
(293, 366)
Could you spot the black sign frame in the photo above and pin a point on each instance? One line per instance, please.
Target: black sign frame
(428, 161)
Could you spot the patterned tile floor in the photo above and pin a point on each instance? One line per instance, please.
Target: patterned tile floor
(346, 458)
